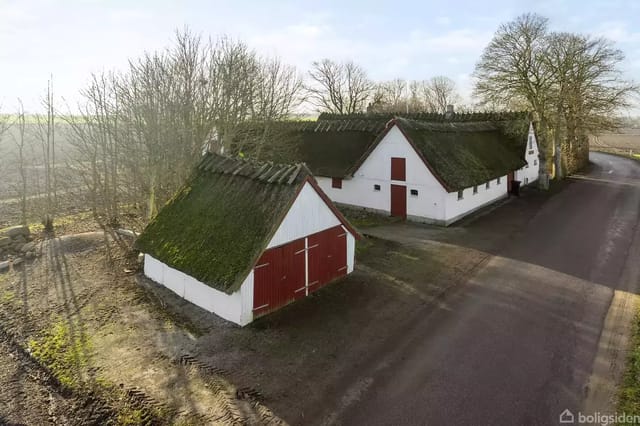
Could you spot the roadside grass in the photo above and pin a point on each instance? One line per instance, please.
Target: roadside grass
(619, 152)
(629, 393)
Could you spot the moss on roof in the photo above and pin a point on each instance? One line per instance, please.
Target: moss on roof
(217, 226)
(463, 150)
(464, 154)
(329, 148)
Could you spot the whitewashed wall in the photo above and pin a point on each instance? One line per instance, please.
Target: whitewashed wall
(432, 204)
(456, 209)
(351, 250)
(529, 173)
(376, 169)
(236, 307)
(308, 214)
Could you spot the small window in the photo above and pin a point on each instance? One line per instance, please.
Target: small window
(526, 181)
(336, 183)
(414, 192)
(460, 193)
(535, 162)
(530, 141)
(487, 185)
(475, 189)
(498, 181)
(376, 187)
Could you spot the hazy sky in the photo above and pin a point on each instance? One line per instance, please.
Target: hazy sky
(413, 39)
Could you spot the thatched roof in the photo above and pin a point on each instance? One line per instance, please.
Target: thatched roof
(218, 225)
(464, 154)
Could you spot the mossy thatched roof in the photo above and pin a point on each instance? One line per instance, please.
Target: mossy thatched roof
(218, 225)
(328, 148)
(464, 154)
(462, 150)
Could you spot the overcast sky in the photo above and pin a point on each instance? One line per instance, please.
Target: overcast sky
(413, 40)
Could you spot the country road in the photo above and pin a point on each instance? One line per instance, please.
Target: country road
(518, 343)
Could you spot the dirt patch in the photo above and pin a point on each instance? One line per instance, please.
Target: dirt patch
(98, 331)
(297, 358)
(128, 336)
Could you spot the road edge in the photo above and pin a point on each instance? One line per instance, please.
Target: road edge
(610, 361)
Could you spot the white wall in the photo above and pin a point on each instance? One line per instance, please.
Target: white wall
(456, 209)
(236, 307)
(351, 250)
(529, 173)
(308, 214)
(432, 204)
(376, 169)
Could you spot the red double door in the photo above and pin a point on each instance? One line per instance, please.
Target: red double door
(291, 271)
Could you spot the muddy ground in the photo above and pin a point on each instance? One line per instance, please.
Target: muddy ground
(108, 331)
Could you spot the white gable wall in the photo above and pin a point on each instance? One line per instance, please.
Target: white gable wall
(308, 214)
(529, 173)
(376, 170)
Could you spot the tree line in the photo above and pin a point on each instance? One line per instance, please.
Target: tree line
(573, 83)
(137, 133)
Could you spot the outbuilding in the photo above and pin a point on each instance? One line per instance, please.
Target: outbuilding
(244, 238)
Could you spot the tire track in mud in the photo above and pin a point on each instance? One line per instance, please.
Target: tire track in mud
(32, 395)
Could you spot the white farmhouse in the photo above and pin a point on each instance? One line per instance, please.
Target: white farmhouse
(243, 238)
(430, 168)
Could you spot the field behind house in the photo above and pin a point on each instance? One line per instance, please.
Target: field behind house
(625, 141)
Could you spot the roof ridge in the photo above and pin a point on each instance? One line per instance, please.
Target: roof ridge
(263, 171)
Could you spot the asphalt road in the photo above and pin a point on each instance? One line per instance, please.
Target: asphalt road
(516, 344)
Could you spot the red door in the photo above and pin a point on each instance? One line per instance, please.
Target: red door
(279, 277)
(399, 201)
(327, 256)
(510, 177)
(398, 169)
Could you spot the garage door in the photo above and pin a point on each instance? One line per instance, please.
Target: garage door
(327, 256)
(281, 276)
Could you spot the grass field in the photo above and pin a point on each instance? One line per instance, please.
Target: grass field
(626, 141)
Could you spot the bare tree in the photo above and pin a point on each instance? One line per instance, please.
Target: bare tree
(440, 93)
(20, 142)
(390, 96)
(141, 131)
(46, 136)
(342, 88)
(572, 82)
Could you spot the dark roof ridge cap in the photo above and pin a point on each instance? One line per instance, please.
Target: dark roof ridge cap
(267, 172)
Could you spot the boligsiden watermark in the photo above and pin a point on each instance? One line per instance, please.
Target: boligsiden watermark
(598, 418)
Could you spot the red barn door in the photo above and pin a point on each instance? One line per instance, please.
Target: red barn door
(398, 201)
(283, 275)
(279, 277)
(327, 256)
